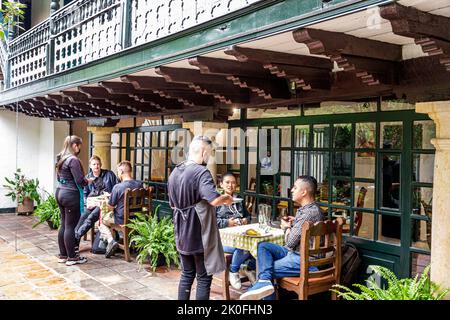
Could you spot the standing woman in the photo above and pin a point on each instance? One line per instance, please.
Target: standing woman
(69, 196)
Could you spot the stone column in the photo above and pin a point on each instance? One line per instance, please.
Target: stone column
(439, 111)
(102, 144)
(209, 129)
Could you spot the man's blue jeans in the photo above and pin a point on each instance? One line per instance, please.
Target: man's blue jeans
(239, 257)
(275, 261)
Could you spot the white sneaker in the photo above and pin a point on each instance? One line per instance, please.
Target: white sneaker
(235, 280)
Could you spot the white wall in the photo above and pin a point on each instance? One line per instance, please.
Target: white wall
(39, 140)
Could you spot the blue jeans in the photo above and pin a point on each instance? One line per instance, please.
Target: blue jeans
(239, 257)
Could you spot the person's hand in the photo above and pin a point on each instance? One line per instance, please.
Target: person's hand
(286, 222)
(90, 207)
(244, 221)
(227, 199)
(232, 223)
(90, 180)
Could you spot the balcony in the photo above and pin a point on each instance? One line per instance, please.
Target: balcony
(88, 30)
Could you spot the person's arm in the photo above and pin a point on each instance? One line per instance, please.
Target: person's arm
(113, 199)
(221, 200)
(77, 173)
(294, 234)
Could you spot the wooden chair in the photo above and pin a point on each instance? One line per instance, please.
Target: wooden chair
(136, 200)
(225, 278)
(328, 261)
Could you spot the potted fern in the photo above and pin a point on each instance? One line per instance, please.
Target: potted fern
(24, 191)
(397, 289)
(154, 240)
(48, 211)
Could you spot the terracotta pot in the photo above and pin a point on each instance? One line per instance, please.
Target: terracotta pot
(26, 207)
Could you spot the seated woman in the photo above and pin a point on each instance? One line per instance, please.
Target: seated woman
(231, 216)
(103, 181)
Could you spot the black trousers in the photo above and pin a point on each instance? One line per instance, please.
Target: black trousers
(86, 222)
(194, 266)
(69, 205)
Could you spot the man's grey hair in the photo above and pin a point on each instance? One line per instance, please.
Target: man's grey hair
(198, 144)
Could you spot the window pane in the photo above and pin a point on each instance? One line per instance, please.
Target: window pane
(252, 137)
(285, 161)
(342, 136)
(321, 136)
(335, 107)
(390, 105)
(163, 138)
(418, 263)
(285, 185)
(342, 192)
(320, 166)
(423, 168)
(342, 164)
(250, 202)
(365, 165)
(391, 135)
(115, 139)
(138, 172)
(365, 135)
(323, 191)
(390, 181)
(301, 163)
(421, 234)
(363, 225)
(158, 165)
(389, 229)
(364, 195)
(302, 136)
(236, 114)
(423, 132)
(422, 201)
(139, 156)
(285, 136)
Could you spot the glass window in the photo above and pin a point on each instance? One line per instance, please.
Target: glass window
(365, 135)
(285, 161)
(342, 164)
(364, 195)
(342, 136)
(259, 113)
(320, 165)
(423, 168)
(390, 181)
(301, 163)
(421, 234)
(391, 135)
(321, 136)
(365, 165)
(158, 165)
(285, 186)
(363, 225)
(391, 105)
(252, 137)
(301, 136)
(342, 192)
(389, 229)
(422, 201)
(336, 107)
(423, 132)
(285, 136)
(236, 114)
(139, 156)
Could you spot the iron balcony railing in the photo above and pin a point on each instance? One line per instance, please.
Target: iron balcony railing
(87, 30)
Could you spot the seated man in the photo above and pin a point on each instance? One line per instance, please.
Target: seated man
(116, 204)
(275, 261)
(103, 181)
(230, 216)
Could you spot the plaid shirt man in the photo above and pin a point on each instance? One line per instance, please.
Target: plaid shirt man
(310, 212)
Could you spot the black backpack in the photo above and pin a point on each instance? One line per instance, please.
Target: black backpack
(99, 245)
(350, 264)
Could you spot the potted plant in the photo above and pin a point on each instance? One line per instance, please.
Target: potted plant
(24, 191)
(397, 289)
(154, 240)
(48, 211)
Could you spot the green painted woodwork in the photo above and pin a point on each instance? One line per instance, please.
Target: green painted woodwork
(269, 18)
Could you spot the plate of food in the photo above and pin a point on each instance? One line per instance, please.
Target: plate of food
(255, 233)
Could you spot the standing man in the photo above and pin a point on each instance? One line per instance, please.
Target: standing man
(275, 261)
(193, 196)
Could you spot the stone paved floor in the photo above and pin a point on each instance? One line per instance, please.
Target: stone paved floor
(32, 271)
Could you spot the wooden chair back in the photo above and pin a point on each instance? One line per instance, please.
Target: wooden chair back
(320, 247)
(136, 200)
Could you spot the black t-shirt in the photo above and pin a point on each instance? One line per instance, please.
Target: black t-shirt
(188, 184)
(117, 197)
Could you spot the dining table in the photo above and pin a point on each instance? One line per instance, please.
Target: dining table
(236, 237)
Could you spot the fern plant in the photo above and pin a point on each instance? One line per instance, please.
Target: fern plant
(48, 211)
(153, 238)
(397, 289)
